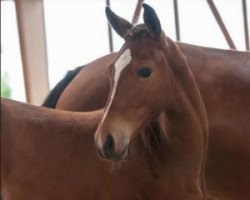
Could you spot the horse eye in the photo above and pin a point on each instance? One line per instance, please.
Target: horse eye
(144, 72)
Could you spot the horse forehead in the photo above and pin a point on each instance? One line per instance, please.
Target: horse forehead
(123, 61)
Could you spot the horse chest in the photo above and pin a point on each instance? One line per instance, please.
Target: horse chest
(137, 184)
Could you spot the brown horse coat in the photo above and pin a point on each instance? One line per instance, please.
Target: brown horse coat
(24, 127)
(223, 77)
(151, 83)
(50, 154)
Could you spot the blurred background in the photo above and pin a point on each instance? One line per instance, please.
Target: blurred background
(42, 39)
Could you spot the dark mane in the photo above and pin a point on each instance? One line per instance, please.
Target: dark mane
(153, 137)
(52, 98)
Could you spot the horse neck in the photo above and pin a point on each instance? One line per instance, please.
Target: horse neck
(181, 132)
(188, 119)
(187, 139)
(173, 148)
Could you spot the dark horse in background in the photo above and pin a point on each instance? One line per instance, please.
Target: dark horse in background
(223, 78)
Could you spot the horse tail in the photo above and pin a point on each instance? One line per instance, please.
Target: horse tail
(54, 95)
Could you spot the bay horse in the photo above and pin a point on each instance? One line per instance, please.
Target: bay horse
(151, 83)
(223, 78)
(50, 154)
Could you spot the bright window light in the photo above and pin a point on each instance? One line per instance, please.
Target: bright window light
(12, 83)
(76, 33)
(198, 25)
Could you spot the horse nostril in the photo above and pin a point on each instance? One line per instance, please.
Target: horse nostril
(110, 143)
(108, 150)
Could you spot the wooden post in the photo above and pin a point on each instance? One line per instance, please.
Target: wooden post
(30, 19)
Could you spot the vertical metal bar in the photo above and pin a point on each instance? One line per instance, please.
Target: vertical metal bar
(177, 25)
(111, 46)
(221, 24)
(244, 7)
(137, 12)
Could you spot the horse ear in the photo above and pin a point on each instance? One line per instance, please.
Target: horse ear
(151, 20)
(120, 25)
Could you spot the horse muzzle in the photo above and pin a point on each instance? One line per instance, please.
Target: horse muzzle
(110, 151)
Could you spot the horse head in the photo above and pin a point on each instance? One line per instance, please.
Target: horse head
(145, 81)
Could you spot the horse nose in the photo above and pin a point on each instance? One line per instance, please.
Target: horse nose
(108, 147)
(108, 150)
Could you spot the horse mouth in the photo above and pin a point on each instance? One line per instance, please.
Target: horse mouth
(110, 155)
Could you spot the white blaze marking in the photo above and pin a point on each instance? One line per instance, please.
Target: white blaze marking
(120, 64)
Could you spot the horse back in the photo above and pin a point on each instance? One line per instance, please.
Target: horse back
(44, 153)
